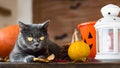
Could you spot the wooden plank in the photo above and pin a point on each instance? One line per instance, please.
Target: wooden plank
(60, 65)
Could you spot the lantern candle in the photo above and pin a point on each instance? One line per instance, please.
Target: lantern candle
(108, 34)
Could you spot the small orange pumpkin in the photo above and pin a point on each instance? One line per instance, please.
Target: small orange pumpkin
(8, 36)
(78, 50)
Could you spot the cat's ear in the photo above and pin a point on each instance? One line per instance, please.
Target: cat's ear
(45, 24)
(21, 24)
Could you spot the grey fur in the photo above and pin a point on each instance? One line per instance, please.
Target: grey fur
(25, 51)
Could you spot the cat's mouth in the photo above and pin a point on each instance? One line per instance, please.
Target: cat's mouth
(36, 49)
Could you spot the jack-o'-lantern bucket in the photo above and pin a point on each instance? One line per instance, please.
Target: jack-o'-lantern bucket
(88, 35)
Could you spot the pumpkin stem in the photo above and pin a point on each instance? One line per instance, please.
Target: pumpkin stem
(73, 37)
(76, 35)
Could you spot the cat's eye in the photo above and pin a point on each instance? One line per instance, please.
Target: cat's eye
(42, 38)
(30, 39)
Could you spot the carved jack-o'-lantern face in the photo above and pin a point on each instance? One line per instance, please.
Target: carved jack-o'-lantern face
(88, 35)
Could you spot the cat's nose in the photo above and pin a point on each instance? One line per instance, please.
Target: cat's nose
(36, 44)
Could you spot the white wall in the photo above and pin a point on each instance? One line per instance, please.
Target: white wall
(25, 11)
(21, 10)
(10, 5)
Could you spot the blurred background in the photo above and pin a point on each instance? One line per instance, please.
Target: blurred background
(65, 15)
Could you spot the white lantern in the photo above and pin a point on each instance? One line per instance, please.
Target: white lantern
(108, 34)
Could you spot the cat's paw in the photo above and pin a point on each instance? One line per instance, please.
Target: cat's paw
(29, 58)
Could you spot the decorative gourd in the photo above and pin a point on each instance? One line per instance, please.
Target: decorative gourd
(78, 50)
(8, 36)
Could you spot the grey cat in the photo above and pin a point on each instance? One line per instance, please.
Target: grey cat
(33, 41)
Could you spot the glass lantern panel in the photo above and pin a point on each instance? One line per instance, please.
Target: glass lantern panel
(105, 41)
(97, 41)
(119, 40)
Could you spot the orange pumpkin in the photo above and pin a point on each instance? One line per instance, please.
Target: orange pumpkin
(8, 36)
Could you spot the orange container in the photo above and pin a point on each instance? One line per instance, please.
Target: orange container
(88, 35)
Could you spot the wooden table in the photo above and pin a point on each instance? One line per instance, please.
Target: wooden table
(61, 65)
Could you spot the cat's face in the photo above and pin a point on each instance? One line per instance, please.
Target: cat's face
(35, 36)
